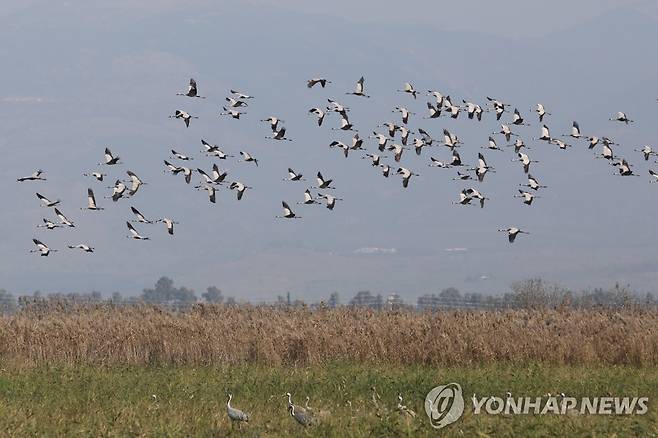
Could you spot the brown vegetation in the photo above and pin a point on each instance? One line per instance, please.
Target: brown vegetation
(217, 334)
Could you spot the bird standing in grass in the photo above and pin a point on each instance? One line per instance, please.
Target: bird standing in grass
(236, 415)
(298, 413)
(404, 410)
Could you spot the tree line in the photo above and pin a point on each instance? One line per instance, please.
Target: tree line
(531, 294)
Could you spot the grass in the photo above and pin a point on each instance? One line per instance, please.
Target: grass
(100, 370)
(190, 401)
(233, 335)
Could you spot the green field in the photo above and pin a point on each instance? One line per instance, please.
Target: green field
(186, 401)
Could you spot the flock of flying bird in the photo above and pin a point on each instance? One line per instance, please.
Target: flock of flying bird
(395, 139)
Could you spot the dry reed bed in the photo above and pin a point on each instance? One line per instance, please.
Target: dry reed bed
(105, 335)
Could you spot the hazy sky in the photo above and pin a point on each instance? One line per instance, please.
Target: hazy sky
(79, 76)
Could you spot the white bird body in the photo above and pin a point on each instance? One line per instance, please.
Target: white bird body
(135, 183)
(212, 150)
(464, 198)
(506, 131)
(171, 168)
(404, 410)
(525, 160)
(541, 112)
(405, 113)
(450, 140)
(398, 150)
(308, 198)
(218, 176)
(406, 175)
(140, 217)
(329, 199)
(517, 119)
(233, 113)
(404, 134)
(456, 159)
(647, 151)
(319, 113)
(621, 117)
(492, 145)
(475, 194)
(337, 107)
(118, 190)
(418, 145)
(279, 134)
(205, 176)
(48, 224)
(462, 176)
(624, 168)
(212, 192)
(298, 413)
(192, 90)
(42, 248)
(82, 247)
(381, 140)
(438, 96)
(323, 183)
(340, 145)
(499, 107)
(235, 103)
(454, 110)
(294, 176)
(180, 156)
(482, 168)
(287, 212)
(434, 111)
(63, 220)
(240, 95)
(345, 124)
(470, 108)
(357, 142)
(236, 415)
(409, 89)
(606, 152)
(562, 145)
(359, 89)
(98, 175)
(436, 163)
(91, 201)
(239, 187)
(526, 196)
(575, 130)
(512, 232)
(273, 121)
(45, 202)
(427, 139)
(654, 175)
(36, 176)
(392, 127)
(533, 183)
(184, 116)
(247, 157)
(322, 81)
(134, 234)
(545, 134)
(375, 159)
(169, 225)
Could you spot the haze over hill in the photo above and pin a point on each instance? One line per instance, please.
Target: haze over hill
(80, 76)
